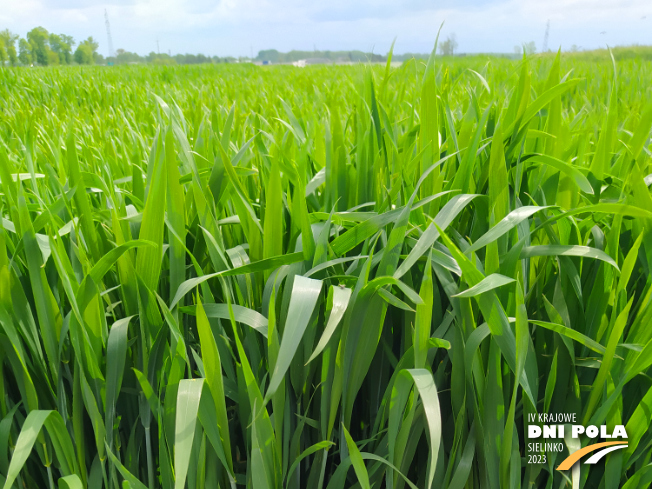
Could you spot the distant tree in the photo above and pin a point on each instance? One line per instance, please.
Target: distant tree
(190, 59)
(55, 46)
(447, 47)
(444, 48)
(61, 44)
(160, 58)
(11, 52)
(69, 40)
(124, 57)
(25, 52)
(453, 40)
(269, 55)
(164, 59)
(53, 58)
(92, 43)
(3, 55)
(38, 39)
(8, 42)
(85, 52)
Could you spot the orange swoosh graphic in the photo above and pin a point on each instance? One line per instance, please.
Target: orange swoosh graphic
(575, 456)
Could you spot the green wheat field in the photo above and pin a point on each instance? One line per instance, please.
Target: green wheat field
(334, 277)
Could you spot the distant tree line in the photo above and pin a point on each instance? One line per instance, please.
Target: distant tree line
(274, 56)
(40, 47)
(123, 57)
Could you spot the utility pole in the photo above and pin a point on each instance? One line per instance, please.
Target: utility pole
(545, 37)
(108, 33)
(158, 49)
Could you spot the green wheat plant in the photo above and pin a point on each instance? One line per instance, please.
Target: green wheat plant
(332, 277)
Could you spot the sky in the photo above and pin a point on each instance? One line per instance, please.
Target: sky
(242, 27)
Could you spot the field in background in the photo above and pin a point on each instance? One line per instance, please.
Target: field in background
(328, 277)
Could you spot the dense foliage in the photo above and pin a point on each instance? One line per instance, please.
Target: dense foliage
(43, 48)
(219, 276)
